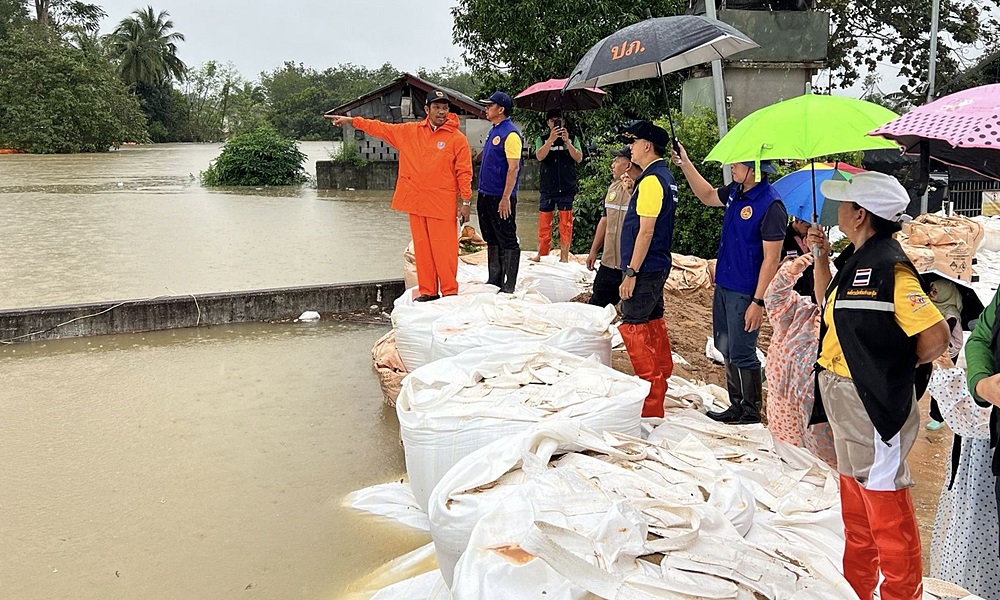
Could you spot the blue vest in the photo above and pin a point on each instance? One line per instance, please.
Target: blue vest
(658, 255)
(493, 170)
(741, 251)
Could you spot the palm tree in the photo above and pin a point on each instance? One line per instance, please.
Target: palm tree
(146, 48)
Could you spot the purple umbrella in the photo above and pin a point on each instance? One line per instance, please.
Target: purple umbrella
(548, 95)
(962, 130)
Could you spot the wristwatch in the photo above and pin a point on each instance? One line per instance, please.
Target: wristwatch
(466, 202)
(758, 301)
(629, 272)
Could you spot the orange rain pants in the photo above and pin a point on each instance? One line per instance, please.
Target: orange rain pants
(435, 248)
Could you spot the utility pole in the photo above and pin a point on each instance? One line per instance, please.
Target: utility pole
(935, 16)
(720, 94)
(932, 67)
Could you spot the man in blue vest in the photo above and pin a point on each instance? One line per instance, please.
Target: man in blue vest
(497, 202)
(646, 236)
(753, 232)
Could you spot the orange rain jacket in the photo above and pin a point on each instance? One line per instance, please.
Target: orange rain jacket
(435, 166)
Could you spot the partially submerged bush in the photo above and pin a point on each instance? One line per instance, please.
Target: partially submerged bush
(258, 158)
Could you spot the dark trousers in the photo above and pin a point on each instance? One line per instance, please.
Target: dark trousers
(606, 284)
(547, 203)
(729, 333)
(646, 303)
(498, 232)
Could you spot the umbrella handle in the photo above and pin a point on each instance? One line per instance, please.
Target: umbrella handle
(815, 247)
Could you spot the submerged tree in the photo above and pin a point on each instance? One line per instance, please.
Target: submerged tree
(145, 47)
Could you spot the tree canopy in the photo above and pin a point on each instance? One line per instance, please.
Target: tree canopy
(866, 33)
(55, 98)
(145, 47)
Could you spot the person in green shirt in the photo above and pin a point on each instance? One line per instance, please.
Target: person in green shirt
(982, 358)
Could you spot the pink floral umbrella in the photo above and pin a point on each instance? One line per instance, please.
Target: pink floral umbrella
(962, 130)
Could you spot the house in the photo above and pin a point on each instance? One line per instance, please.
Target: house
(401, 101)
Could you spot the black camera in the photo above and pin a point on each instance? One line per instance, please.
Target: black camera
(557, 123)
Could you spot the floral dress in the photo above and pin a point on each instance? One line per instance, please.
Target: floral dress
(789, 368)
(964, 544)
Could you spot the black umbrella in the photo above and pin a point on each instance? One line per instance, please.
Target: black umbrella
(653, 47)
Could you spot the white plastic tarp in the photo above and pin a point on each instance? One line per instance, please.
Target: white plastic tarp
(413, 321)
(581, 329)
(454, 406)
(580, 524)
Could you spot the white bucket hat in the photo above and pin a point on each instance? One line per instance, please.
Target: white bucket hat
(878, 193)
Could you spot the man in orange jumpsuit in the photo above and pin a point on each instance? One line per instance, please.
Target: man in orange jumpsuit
(435, 168)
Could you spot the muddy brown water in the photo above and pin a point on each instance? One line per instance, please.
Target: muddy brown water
(135, 223)
(202, 463)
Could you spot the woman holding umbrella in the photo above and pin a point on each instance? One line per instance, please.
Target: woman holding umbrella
(878, 335)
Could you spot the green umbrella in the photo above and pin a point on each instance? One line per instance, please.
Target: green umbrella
(803, 128)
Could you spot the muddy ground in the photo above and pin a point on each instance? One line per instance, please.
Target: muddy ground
(689, 319)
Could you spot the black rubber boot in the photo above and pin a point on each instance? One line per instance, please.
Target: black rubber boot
(753, 395)
(495, 265)
(511, 261)
(735, 411)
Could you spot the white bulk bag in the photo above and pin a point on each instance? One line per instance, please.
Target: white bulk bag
(454, 406)
(578, 525)
(557, 281)
(412, 321)
(581, 329)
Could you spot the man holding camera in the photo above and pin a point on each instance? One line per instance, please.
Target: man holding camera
(557, 159)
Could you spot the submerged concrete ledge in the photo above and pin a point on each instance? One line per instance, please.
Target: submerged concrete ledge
(175, 312)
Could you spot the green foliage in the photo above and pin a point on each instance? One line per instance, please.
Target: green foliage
(697, 228)
(13, 14)
(348, 155)
(145, 48)
(66, 15)
(453, 76)
(259, 158)
(594, 177)
(510, 48)
(298, 96)
(57, 99)
(865, 33)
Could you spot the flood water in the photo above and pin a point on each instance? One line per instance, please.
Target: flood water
(203, 463)
(200, 463)
(136, 223)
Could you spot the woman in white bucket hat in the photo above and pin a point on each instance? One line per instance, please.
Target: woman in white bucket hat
(878, 336)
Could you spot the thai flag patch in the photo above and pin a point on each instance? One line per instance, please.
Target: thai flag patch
(862, 277)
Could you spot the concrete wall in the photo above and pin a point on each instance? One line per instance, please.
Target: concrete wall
(750, 87)
(381, 175)
(132, 316)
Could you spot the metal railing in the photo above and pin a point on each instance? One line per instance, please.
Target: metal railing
(967, 196)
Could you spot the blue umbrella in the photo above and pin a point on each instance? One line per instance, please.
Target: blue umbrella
(799, 189)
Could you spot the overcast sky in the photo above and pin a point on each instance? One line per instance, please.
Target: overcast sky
(259, 35)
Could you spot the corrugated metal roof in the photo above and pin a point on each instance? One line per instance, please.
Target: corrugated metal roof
(464, 103)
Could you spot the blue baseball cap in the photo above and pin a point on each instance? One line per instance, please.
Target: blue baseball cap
(766, 166)
(500, 99)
